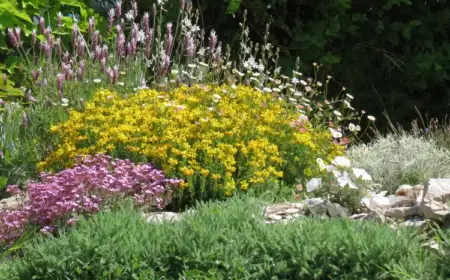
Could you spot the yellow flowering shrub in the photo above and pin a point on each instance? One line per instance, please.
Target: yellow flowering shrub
(218, 139)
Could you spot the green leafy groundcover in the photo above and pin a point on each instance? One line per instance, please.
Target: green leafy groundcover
(228, 240)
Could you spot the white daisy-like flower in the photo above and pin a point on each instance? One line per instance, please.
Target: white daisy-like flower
(337, 113)
(349, 96)
(294, 81)
(335, 133)
(298, 93)
(361, 173)
(266, 89)
(216, 97)
(319, 84)
(351, 127)
(372, 118)
(358, 128)
(303, 82)
(341, 161)
(313, 184)
(308, 88)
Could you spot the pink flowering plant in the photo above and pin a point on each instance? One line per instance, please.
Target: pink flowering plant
(96, 183)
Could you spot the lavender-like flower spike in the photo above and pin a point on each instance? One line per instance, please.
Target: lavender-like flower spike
(42, 24)
(17, 31)
(164, 66)
(65, 57)
(60, 81)
(33, 37)
(189, 44)
(105, 52)
(94, 40)
(58, 21)
(102, 64)
(91, 25)
(212, 42)
(118, 9)
(120, 46)
(98, 53)
(48, 51)
(168, 39)
(148, 43)
(80, 73)
(13, 38)
(146, 23)
(218, 53)
(58, 46)
(134, 8)
(111, 14)
(74, 36)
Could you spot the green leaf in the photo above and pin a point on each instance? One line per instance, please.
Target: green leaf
(233, 6)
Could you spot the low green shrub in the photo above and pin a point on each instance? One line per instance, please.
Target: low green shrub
(226, 240)
(401, 158)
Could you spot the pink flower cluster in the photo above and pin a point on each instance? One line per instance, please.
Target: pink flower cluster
(96, 182)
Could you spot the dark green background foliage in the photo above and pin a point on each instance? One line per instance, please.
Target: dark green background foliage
(226, 241)
(391, 54)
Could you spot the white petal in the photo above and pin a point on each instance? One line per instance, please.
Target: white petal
(321, 164)
(313, 184)
(341, 161)
(361, 173)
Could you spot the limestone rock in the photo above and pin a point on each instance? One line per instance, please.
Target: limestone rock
(391, 201)
(12, 202)
(160, 217)
(282, 207)
(336, 210)
(436, 194)
(401, 212)
(419, 223)
(316, 206)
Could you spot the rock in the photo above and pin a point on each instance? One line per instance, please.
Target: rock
(391, 201)
(160, 217)
(292, 210)
(316, 206)
(419, 223)
(401, 212)
(358, 216)
(12, 202)
(336, 210)
(436, 194)
(282, 207)
(275, 217)
(376, 215)
(409, 191)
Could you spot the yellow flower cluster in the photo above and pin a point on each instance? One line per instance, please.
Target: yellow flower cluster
(225, 138)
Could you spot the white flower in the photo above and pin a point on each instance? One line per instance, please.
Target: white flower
(130, 15)
(313, 184)
(141, 36)
(319, 84)
(335, 133)
(321, 164)
(337, 113)
(297, 93)
(349, 96)
(358, 128)
(294, 80)
(64, 102)
(341, 161)
(344, 180)
(351, 127)
(120, 83)
(372, 118)
(303, 82)
(361, 173)
(97, 81)
(216, 97)
(201, 51)
(266, 89)
(308, 89)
